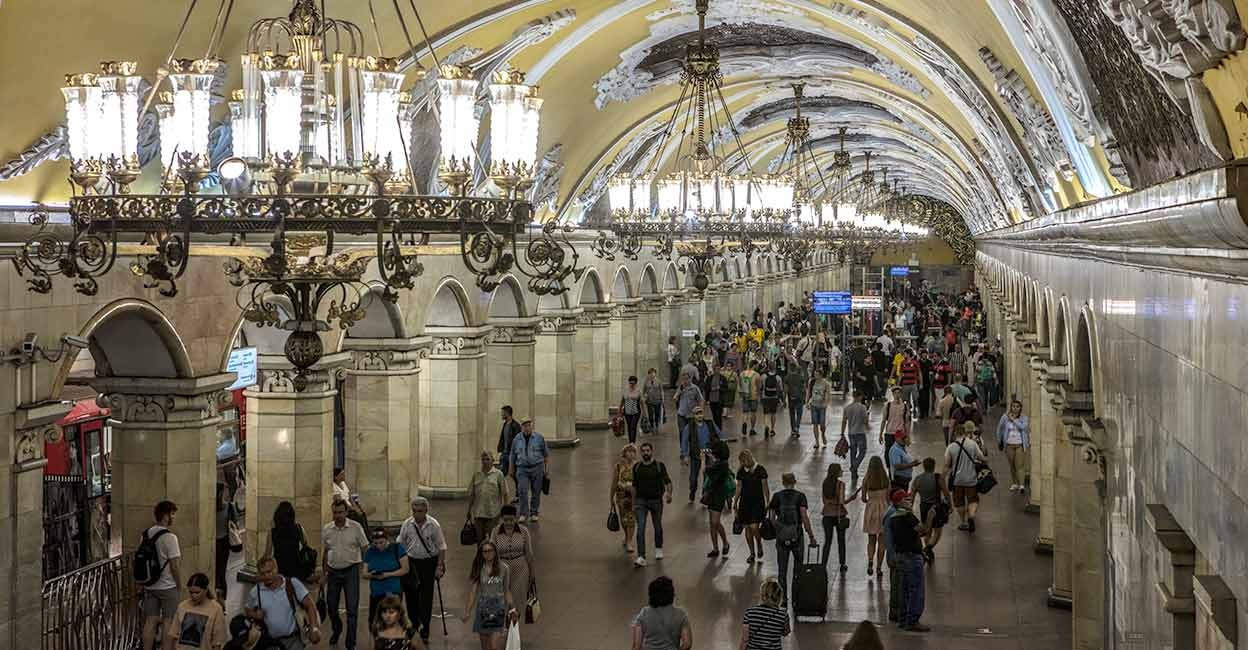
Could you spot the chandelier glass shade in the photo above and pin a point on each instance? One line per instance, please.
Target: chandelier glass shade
(457, 117)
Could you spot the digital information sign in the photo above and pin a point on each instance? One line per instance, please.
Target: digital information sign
(867, 303)
(832, 302)
(899, 270)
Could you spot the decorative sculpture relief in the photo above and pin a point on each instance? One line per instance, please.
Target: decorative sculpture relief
(28, 447)
(446, 346)
(550, 325)
(546, 179)
(501, 335)
(1039, 130)
(128, 407)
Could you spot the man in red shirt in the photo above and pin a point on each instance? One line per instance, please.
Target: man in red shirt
(910, 378)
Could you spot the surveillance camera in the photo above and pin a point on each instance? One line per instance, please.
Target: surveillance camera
(74, 341)
(30, 343)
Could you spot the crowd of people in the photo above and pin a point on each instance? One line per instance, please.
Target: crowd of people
(930, 359)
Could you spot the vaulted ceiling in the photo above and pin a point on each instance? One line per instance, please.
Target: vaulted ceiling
(1005, 109)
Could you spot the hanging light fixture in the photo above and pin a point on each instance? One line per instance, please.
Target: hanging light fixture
(514, 111)
(457, 114)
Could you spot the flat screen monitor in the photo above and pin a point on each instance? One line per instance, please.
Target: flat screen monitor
(832, 302)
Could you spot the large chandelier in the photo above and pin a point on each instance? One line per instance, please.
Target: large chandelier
(320, 172)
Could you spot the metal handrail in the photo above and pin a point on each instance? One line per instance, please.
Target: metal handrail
(93, 608)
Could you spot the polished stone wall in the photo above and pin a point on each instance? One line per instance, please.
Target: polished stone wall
(1166, 354)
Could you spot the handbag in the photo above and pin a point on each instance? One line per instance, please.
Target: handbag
(767, 530)
(842, 447)
(617, 425)
(842, 523)
(532, 605)
(613, 520)
(986, 480)
(468, 534)
(307, 554)
(546, 485)
(235, 538)
(738, 526)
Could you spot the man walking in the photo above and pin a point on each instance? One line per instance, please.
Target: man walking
(343, 542)
(273, 601)
(510, 430)
(673, 360)
(421, 535)
(791, 514)
(688, 396)
(160, 592)
(652, 487)
(911, 379)
(907, 538)
(795, 387)
(530, 460)
(693, 439)
(749, 399)
(486, 496)
(901, 465)
(855, 419)
(960, 458)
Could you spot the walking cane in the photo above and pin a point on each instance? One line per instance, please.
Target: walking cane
(441, 606)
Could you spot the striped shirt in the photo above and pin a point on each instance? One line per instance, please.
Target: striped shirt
(767, 626)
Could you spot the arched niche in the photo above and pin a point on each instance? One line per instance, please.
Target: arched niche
(449, 306)
(623, 285)
(649, 281)
(1057, 348)
(1042, 316)
(1083, 353)
(382, 319)
(131, 338)
(591, 289)
(671, 280)
(507, 300)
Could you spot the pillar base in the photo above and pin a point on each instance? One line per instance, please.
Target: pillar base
(563, 444)
(592, 424)
(443, 493)
(1058, 600)
(1032, 509)
(1043, 546)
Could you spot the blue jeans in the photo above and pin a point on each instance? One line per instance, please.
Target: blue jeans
(795, 415)
(985, 393)
(529, 482)
(857, 451)
(911, 567)
(695, 471)
(642, 507)
(337, 581)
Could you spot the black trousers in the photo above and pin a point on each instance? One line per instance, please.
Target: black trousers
(223, 558)
(418, 592)
(717, 414)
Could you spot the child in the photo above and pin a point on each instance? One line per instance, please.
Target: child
(392, 629)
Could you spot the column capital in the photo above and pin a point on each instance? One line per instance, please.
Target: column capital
(386, 356)
(34, 425)
(626, 308)
(651, 304)
(162, 401)
(513, 331)
(557, 322)
(457, 342)
(593, 315)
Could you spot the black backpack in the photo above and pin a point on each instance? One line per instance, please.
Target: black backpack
(788, 520)
(771, 387)
(147, 566)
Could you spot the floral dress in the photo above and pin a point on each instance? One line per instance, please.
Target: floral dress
(624, 495)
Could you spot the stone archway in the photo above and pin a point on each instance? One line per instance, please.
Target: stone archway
(510, 348)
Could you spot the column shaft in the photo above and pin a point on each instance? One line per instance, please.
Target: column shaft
(554, 380)
(451, 431)
(593, 368)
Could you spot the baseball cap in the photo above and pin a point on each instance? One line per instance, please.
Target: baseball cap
(898, 496)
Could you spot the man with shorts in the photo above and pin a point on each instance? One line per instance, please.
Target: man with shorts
(160, 599)
(960, 458)
(933, 494)
(749, 399)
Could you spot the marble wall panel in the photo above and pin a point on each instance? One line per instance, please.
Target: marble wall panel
(594, 376)
(1171, 381)
(382, 421)
(555, 386)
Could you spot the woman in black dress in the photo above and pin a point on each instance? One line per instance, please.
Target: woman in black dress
(752, 498)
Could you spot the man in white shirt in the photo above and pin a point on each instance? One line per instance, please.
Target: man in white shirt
(422, 536)
(343, 542)
(886, 342)
(160, 599)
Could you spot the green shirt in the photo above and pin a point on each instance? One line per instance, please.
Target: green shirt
(795, 382)
(749, 384)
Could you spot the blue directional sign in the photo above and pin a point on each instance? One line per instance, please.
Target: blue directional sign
(899, 270)
(833, 302)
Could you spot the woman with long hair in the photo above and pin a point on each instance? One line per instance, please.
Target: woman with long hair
(766, 623)
(199, 621)
(515, 547)
(875, 489)
(752, 499)
(835, 516)
(392, 628)
(621, 494)
(718, 488)
(490, 597)
(286, 539)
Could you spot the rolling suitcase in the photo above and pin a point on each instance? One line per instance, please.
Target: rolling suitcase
(810, 587)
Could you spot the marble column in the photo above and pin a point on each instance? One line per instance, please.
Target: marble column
(594, 375)
(510, 354)
(21, 519)
(164, 447)
(1217, 625)
(452, 434)
(1061, 591)
(694, 312)
(1044, 435)
(1178, 567)
(290, 446)
(381, 394)
(1027, 391)
(622, 356)
(651, 339)
(554, 379)
(672, 325)
(1088, 557)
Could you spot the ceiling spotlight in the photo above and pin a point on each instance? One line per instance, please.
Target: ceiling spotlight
(235, 176)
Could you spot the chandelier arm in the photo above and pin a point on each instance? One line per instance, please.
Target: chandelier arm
(218, 27)
(425, 33)
(736, 135)
(407, 35)
(151, 94)
(372, 15)
(666, 136)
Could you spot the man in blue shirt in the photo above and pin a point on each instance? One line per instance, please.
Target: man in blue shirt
(695, 438)
(530, 460)
(900, 461)
(688, 396)
(386, 563)
(269, 602)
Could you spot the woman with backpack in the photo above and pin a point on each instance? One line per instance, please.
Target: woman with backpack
(772, 395)
(718, 488)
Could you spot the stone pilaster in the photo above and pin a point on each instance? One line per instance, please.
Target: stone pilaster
(651, 338)
(290, 446)
(1088, 508)
(593, 368)
(1026, 392)
(671, 323)
(164, 447)
(1060, 591)
(623, 353)
(1176, 586)
(21, 519)
(554, 379)
(693, 314)
(510, 352)
(381, 391)
(1217, 624)
(1044, 435)
(452, 434)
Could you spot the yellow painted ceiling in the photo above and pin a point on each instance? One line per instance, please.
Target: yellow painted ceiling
(41, 40)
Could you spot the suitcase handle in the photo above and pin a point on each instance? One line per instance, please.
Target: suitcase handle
(809, 548)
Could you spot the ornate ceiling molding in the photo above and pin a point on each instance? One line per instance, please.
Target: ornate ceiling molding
(1040, 134)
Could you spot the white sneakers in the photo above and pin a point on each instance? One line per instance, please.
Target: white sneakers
(524, 520)
(640, 561)
(658, 554)
(1017, 488)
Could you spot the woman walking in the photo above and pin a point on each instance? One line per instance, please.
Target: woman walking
(630, 407)
(718, 488)
(392, 629)
(752, 498)
(1014, 438)
(490, 597)
(653, 390)
(835, 515)
(515, 548)
(621, 497)
(198, 621)
(661, 625)
(286, 543)
(766, 623)
(875, 490)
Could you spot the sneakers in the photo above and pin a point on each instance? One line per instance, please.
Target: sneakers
(749, 560)
(714, 553)
(640, 561)
(658, 554)
(534, 517)
(523, 519)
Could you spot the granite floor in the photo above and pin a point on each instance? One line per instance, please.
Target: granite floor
(984, 592)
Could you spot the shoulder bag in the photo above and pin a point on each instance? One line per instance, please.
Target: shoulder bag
(307, 554)
(532, 605)
(468, 534)
(613, 520)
